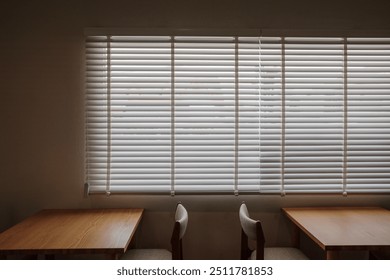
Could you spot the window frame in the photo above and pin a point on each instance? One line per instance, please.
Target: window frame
(248, 33)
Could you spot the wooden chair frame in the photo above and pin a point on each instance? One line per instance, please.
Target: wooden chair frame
(259, 247)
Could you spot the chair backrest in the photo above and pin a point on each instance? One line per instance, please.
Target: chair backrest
(250, 229)
(179, 229)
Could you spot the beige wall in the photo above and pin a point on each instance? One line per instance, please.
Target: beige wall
(41, 87)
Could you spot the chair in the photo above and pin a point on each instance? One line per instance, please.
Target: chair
(252, 230)
(179, 229)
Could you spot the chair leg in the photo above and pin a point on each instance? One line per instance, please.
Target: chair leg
(245, 251)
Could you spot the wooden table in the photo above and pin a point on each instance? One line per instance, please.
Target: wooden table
(342, 228)
(72, 231)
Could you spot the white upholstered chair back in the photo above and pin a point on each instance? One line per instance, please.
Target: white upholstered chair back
(253, 230)
(248, 225)
(181, 217)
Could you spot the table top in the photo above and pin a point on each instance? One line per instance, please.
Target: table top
(53, 231)
(342, 228)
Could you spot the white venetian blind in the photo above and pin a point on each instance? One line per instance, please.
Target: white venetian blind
(270, 114)
(204, 114)
(313, 114)
(172, 114)
(368, 168)
(325, 122)
(128, 114)
(216, 114)
(248, 106)
(228, 114)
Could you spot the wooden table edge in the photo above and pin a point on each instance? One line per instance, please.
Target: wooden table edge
(141, 210)
(331, 250)
(298, 225)
(91, 251)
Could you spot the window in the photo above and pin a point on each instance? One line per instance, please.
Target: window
(228, 114)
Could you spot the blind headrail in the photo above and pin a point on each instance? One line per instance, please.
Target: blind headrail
(320, 32)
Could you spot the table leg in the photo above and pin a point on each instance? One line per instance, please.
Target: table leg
(113, 256)
(296, 240)
(332, 255)
(49, 257)
(30, 257)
